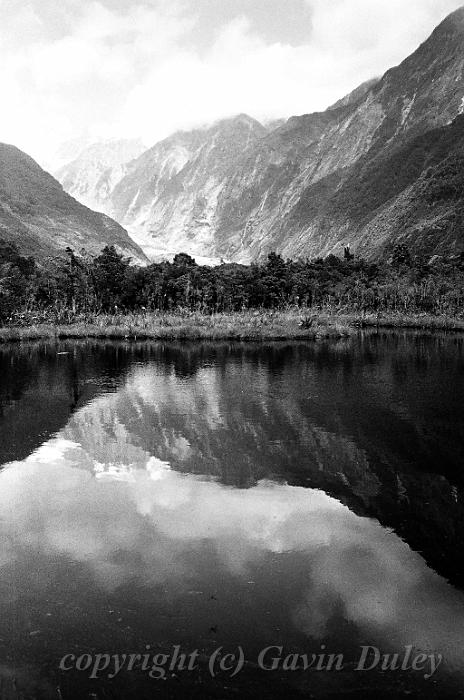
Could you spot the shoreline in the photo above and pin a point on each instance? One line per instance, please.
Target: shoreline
(255, 325)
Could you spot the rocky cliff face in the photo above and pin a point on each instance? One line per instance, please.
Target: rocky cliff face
(358, 173)
(42, 219)
(169, 199)
(94, 173)
(299, 191)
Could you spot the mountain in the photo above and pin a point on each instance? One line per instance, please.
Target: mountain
(97, 169)
(168, 200)
(42, 219)
(356, 95)
(299, 192)
(382, 165)
(67, 152)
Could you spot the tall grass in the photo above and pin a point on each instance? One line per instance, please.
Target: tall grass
(293, 323)
(246, 325)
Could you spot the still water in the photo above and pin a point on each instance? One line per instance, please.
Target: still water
(181, 499)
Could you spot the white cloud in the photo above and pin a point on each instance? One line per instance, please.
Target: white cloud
(117, 69)
(384, 31)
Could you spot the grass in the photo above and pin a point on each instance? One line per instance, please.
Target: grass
(256, 325)
(246, 325)
(415, 321)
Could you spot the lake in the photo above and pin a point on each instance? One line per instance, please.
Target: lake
(237, 520)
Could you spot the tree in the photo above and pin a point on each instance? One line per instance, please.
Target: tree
(109, 275)
(401, 256)
(347, 254)
(183, 260)
(16, 279)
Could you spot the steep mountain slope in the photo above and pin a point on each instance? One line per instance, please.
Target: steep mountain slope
(357, 173)
(283, 198)
(414, 196)
(168, 200)
(93, 175)
(356, 95)
(42, 219)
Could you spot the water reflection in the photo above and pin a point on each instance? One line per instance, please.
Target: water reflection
(291, 414)
(219, 501)
(162, 527)
(40, 389)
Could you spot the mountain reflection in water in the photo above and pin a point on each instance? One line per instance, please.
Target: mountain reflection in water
(225, 505)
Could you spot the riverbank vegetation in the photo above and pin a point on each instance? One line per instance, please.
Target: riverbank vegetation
(106, 296)
(187, 325)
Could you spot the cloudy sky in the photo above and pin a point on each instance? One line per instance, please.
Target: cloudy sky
(143, 68)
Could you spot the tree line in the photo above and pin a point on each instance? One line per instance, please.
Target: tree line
(75, 284)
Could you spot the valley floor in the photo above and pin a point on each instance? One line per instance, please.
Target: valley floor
(256, 325)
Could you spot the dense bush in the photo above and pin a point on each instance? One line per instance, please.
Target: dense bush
(75, 284)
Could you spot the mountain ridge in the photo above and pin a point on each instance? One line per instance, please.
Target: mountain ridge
(95, 172)
(159, 185)
(228, 193)
(42, 219)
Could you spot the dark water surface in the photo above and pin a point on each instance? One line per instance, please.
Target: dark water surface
(307, 497)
